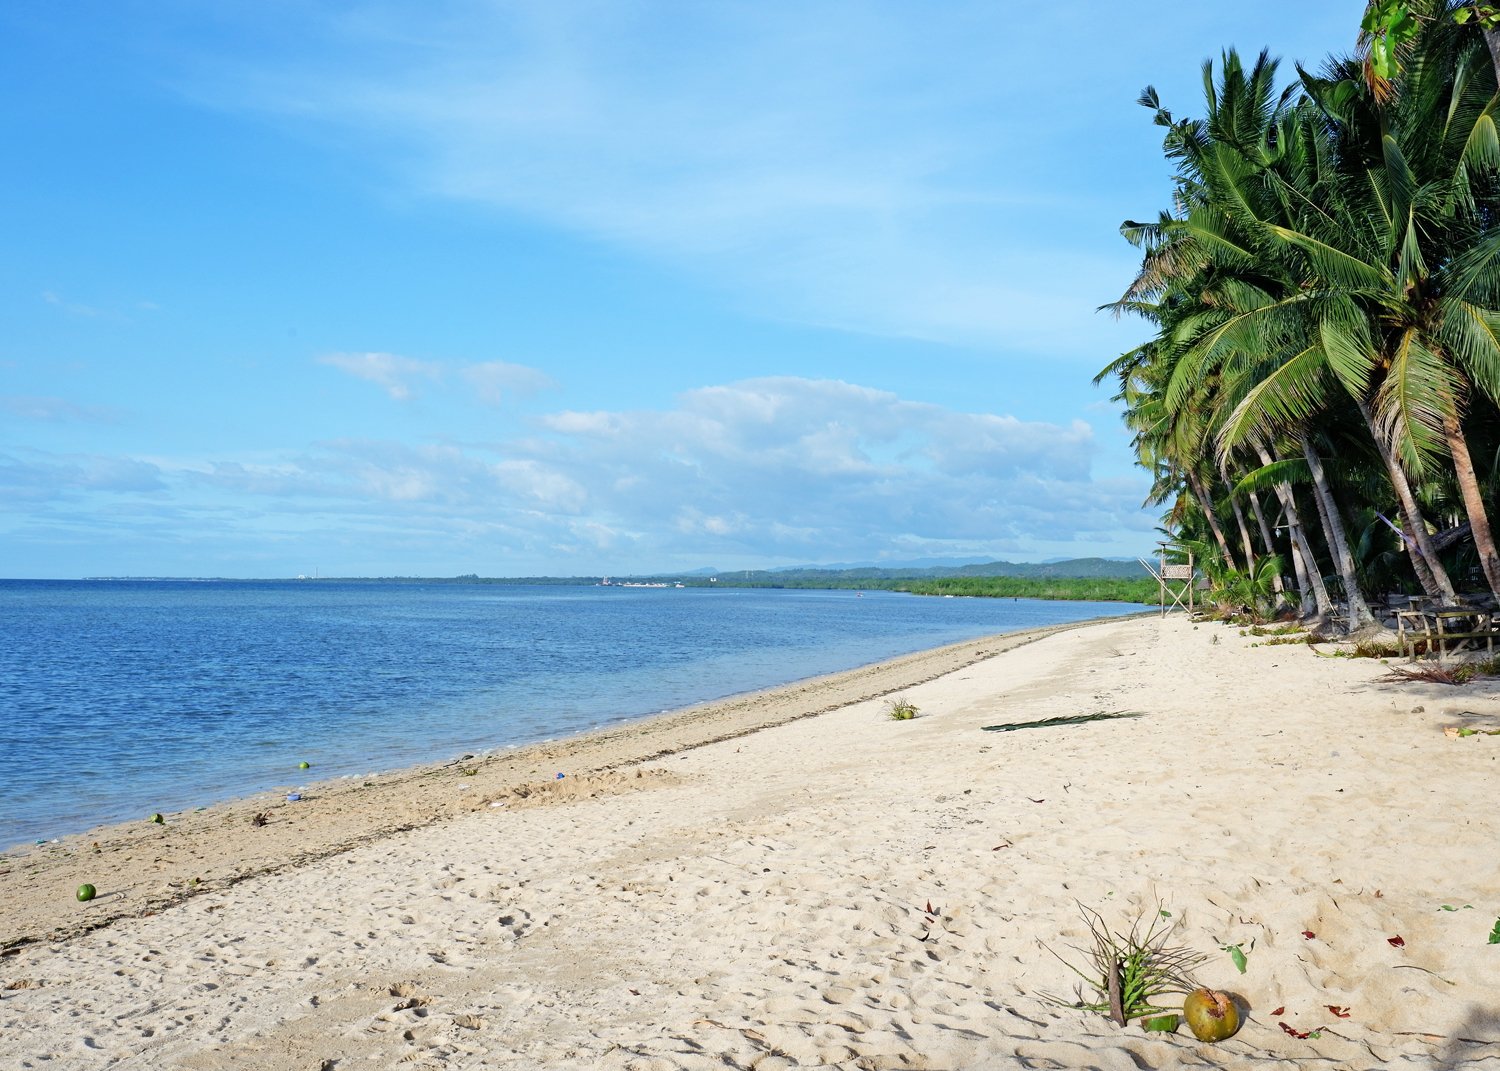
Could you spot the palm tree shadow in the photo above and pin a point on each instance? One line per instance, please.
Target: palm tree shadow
(1475, 1040)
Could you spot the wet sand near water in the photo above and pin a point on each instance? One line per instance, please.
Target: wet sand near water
(839, 890)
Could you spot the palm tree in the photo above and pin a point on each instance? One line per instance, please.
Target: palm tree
(1331, 262)
(1205, 271)
(1363, 294)
(1390, 26)
(1419, 169)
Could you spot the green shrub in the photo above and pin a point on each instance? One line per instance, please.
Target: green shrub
(901, 709)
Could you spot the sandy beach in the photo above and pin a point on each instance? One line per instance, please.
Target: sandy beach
(791, 879)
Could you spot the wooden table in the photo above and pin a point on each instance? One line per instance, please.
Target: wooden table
(1447, 624)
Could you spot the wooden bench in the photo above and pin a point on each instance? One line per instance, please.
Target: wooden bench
(1435, 626)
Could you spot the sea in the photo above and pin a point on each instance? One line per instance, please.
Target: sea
(123, 698)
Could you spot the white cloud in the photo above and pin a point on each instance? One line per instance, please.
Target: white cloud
(37, 476)
(757, 472)
(494, 381)
(491, 381)
(393, 374)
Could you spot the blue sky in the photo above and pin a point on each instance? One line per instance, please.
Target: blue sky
(573, 288)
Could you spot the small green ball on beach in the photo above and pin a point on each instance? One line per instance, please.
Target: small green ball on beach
(158, 819)
(86, 893)
(303, 765)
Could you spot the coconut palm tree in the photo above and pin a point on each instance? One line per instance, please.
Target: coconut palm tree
(1331, 208)
(1419, 172)
(1332, 261)
(1204, 271)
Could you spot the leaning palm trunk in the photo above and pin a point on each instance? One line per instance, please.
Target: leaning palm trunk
(1206, 504)
(1265, 536)
(1468, 486)
(1492, 40)
(1333, 526)
(1308, 576)
(1239, 519)
(1430, 572)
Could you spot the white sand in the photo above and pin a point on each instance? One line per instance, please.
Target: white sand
(762, 902)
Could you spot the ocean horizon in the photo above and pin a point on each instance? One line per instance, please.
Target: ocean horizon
(123, 698)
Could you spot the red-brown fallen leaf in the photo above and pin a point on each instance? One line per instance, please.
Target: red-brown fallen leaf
(1280, 1011)
(930, 909)
(1395, 942)
(1301, 1035)
(1342, 1013)
(1308, 934)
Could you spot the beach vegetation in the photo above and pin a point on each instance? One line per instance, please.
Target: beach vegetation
(1237, 956)
(1280, 630)
(1069, 588)
(1375, 649)
(901, 709)
(1450, 673)
(1321, 379)
(1290, 638)
(1126, 975)
(1431, 673)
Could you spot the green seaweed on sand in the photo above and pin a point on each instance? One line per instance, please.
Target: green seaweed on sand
(1067, 719)
(1130, 972)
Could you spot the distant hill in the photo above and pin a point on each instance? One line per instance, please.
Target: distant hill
(811, 576)
(905, 567)
(1082, 568)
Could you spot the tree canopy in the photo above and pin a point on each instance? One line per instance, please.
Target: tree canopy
(1317, 399)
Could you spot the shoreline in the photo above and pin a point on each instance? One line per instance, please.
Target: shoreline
(111, 729)
(838, 890)
(337, 814)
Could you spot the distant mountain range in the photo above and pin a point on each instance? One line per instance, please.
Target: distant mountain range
(1089, 568)
(800, 576)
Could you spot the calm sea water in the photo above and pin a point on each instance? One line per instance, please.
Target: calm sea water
(120, 698)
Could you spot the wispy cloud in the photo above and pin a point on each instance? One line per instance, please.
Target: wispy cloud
(492, 382)
(36, 476)
(786, 159)
(72, 308)
(395, 375)
(55, 410)
(495, 381)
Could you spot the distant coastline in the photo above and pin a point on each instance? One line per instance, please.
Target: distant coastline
(1097, 579)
